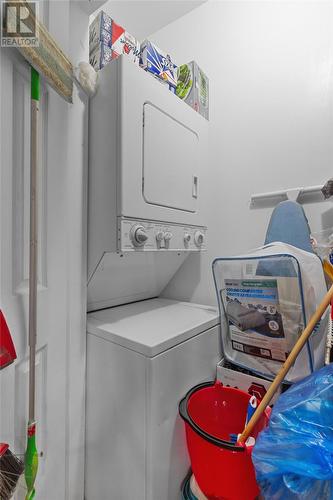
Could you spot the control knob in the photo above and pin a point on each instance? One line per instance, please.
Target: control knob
(187, 238)
(138, 235)
(199, 238)
(160, 236)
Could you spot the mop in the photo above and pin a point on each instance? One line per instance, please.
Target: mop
(31, 455)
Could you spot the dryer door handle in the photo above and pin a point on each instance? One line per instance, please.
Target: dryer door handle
(195, 186)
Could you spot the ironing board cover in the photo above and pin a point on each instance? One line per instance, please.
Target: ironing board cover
(288, 223)
(265, 299)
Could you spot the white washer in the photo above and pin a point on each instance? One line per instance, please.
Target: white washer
(142, 358)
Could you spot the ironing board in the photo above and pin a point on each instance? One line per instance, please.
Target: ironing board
(288, 224)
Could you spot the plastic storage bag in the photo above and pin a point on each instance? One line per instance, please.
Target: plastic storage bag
(265, 300)
(293, 456)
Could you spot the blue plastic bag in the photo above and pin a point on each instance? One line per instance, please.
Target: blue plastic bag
(293, 456)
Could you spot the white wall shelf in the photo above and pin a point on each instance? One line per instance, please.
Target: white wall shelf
(311, 194)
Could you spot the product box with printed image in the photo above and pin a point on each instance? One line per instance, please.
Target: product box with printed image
(100, 31)
(193, 87)
(108, 40)
(233, 376)
(255, 314)
(124, 43)
(160, 64)
(101, 56)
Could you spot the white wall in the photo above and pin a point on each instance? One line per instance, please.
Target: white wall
(143, 17)
(76, 182)
(271, 117)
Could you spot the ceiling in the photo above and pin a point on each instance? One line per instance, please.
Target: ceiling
(143, 18)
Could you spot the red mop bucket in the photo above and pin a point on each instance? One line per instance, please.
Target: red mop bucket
(222, 469)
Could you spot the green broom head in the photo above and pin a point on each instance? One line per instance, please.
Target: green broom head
(31, 461)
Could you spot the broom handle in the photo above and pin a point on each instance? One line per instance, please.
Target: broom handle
(287, 365)
(33, 257)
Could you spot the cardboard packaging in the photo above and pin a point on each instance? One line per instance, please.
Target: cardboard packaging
(246, 382)
(101, 56)
(104, 37)
(193, 87)
(159, 64)
(100, 31)
(125, 43)
(108, 40)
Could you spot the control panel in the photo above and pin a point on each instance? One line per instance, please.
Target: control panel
(143, 235)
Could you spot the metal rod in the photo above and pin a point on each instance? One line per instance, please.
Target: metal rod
(33, 256)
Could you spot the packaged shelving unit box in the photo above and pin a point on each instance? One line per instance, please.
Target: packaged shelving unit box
(193, 87)
(108, 40)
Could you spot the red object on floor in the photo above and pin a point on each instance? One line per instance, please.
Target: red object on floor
(3, 448)
(222, 469)
(7, 349)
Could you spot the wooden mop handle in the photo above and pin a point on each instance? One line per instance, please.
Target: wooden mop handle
(287, 365)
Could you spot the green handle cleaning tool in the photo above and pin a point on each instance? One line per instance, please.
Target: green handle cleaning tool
(31, 462)
(31, 455)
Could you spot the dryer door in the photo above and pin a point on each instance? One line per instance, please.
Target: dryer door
(170, 161)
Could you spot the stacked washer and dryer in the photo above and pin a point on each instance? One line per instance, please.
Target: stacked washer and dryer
(144, 352)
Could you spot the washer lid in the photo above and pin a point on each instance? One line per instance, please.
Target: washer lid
(152, 326)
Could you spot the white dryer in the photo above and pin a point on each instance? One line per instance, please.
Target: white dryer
(146, 150)
(142, 359)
